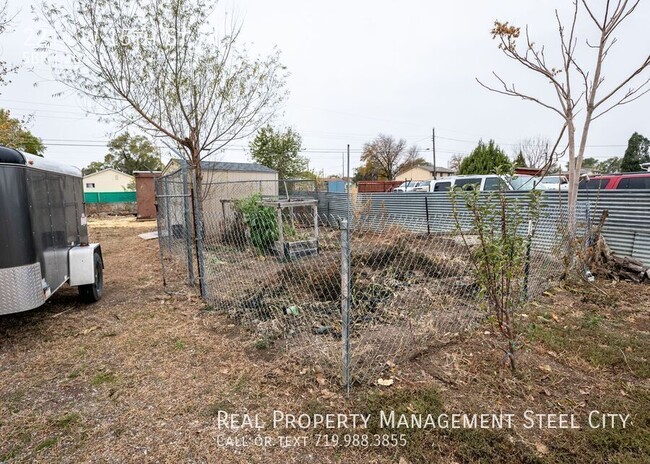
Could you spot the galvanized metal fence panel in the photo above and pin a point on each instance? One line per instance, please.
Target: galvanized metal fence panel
(627, 229)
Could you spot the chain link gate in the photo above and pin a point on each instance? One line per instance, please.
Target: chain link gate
(175, 228)
(355, 294)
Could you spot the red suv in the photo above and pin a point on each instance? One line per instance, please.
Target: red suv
(626, 181)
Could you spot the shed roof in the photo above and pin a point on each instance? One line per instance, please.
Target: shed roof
(219, 166)
(228, 166)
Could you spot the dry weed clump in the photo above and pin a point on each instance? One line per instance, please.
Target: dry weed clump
(401, 297)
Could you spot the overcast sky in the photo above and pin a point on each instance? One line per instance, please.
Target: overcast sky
(360, 68)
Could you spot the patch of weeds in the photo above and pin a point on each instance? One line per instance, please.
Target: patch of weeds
(488, 445)
(179, 345)
(621, 445)
(263, 343)
(601, 345)
(45, 444)
(103, 377)
(440, 444)
(67, 420)
(408, 402)
(313, 406)
(12, 453)
(591, 321)
(24, 437)
(240, 384)
(14, 399)
(219, 405)
(209, 309)
(111, 333)
(589, 295)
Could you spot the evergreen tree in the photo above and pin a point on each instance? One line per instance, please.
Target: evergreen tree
(520, 161)
(485, 159)
(636, 153)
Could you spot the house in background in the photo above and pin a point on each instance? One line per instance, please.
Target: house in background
(424, 172)
(111, 188)
(108, 180)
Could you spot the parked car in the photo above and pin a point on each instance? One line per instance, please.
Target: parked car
(423, 186)
(406, 186)
(554, 183)
(526, 183)
(623, 181)
(482, 182)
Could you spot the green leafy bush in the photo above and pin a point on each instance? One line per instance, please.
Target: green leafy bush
(261, 221)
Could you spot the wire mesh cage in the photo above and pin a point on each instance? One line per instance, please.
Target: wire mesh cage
(354, 293)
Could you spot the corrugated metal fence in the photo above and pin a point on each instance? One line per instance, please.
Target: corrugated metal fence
(627, 229)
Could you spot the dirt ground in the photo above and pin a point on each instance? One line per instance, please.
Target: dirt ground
(145, 376)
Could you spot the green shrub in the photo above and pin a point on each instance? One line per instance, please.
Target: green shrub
(260, 220)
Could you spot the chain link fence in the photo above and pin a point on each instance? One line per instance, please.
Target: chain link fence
(354, 294)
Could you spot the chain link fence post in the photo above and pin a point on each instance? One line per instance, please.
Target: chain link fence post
(345, 301)
(168, 219)
(187, 210)
(198, 220)
(160, 210)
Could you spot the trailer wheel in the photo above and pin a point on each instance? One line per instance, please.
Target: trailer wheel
(93, 292)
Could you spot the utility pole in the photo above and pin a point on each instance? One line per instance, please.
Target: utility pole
(433, 139)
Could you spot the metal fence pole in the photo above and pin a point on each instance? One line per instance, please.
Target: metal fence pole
(188, 225)
(198, 216)
(529, 242)
(345, 301)
(168, 217)
(426, 209)
(156, 183)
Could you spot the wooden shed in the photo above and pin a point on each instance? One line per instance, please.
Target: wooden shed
(146, 193)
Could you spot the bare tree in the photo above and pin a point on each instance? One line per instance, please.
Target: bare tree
(535, 151)
(412, 159)
(577, 86)
(5, 22)
(386, 155)
(455, 162)
(158, 65)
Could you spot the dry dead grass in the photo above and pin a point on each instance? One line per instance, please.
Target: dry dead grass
(139, 376)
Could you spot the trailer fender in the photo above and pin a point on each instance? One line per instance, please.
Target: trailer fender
(82, 264)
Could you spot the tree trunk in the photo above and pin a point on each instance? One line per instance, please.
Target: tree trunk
(197, 210)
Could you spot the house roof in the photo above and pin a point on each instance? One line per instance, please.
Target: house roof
(107, 169)
(429, 167)
(223, 166)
